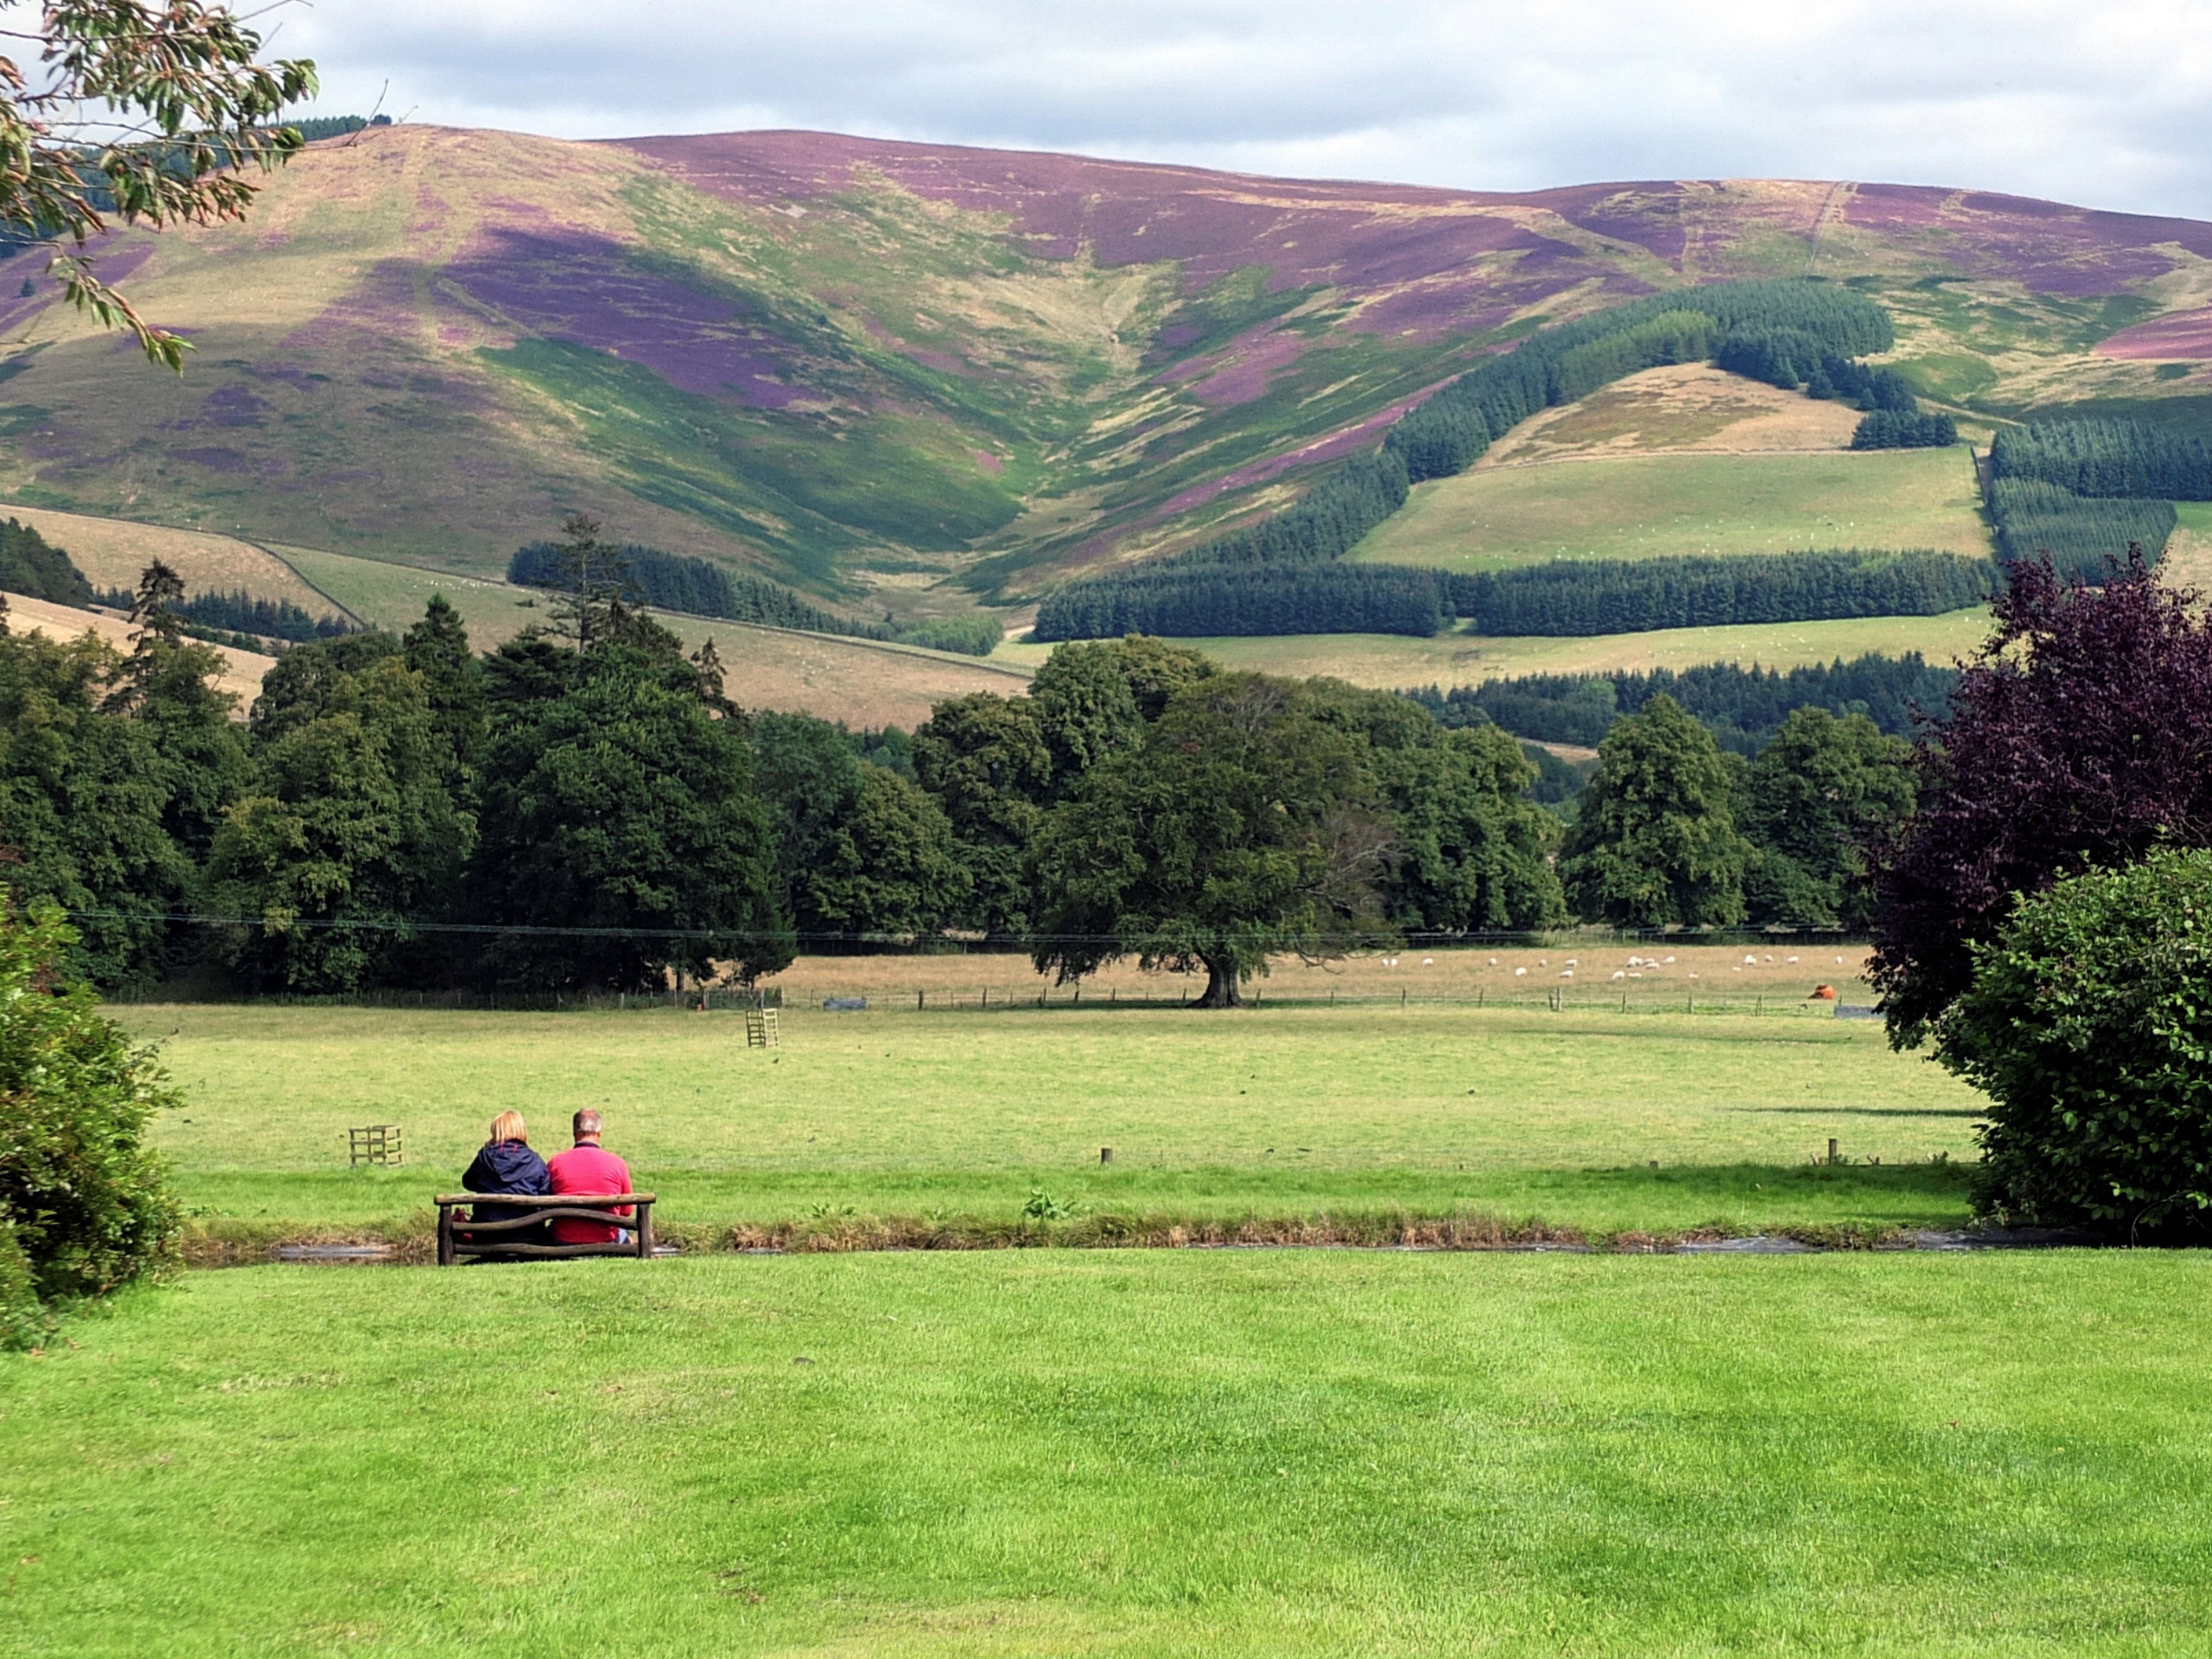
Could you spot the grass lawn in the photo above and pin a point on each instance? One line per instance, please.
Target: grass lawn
(1633, 507)
(1151, 1453)
(1395, 661)
(1437, 1108)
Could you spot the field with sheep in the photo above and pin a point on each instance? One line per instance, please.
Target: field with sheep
(1596, 1091)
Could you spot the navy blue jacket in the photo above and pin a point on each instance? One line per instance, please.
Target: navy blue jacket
(506, 1166)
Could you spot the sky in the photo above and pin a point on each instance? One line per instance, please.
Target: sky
(2106, 105)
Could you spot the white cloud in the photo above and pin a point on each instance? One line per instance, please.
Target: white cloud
(2105, 105)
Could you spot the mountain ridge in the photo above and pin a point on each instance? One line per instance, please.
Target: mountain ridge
(898, 374)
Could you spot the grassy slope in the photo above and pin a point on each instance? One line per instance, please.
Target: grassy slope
(395, 360)
(114, 552)
(864, 682)
(1647, 506)
(1511, 1111)
(1155, 1454)
(1393, 661)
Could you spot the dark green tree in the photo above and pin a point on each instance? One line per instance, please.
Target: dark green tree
(1813, 800)
(351, 832)
(2083, 1022)
(437, 649)
(1476, 851)
(1247, 825)
(987, 763)
(85, 797)
(1086, 708)
(1654, 843)
(889, 866)
(862, 850)
(623, 809)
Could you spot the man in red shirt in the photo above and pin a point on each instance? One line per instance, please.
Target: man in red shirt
(589, 1171)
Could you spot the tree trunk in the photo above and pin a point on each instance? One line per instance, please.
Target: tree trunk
(1221, 991)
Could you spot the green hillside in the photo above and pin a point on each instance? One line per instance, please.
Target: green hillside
(901, 376)
(1630, 507)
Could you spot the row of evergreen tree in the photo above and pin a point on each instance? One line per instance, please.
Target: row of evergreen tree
(1188, 602)
(2080, 534)
(1564, 598)
(1892, 429)
(240, 613)
(1586, 597)
(701, 587)
(2106, 459)
(1743, 708)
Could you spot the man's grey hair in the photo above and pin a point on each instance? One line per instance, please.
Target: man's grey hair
(586, 1123)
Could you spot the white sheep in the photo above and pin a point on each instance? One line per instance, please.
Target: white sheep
(1618, 972)
(1793, 961)
(1493, 961)
(1520, 973)
(1670, 962)
(1751, 961)
(1430, 961)
(1566, 972)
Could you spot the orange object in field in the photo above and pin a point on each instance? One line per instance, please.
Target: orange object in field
(1822, 993)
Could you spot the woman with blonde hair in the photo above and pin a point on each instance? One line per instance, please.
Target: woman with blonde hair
(505, 1164)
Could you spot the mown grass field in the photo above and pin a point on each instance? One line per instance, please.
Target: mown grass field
(1634, 506)
(1293, 1109)
(1125, 1453)
(1395, 661)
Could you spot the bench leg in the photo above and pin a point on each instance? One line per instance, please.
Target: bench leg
(445, 1237)
(645, 1233)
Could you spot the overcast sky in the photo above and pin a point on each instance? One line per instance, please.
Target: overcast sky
(2107, 104)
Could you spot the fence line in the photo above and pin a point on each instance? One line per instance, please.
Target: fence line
(1006, 999)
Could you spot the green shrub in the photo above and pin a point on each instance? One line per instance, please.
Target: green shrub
(2089, 1025)
(84, 1202)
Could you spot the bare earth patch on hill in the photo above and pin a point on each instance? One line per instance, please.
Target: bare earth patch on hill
(1684, 407)
(243, 677)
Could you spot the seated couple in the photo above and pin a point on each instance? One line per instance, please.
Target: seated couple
(505, 1164)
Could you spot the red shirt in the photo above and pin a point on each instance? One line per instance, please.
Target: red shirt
(590, 1172)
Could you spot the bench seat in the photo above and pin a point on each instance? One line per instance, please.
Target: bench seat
(483, 1240)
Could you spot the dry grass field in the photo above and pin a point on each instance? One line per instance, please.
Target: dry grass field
(242, 681)
(1663, 975)
(1687, 408)
(2188, 561)
(112, 552)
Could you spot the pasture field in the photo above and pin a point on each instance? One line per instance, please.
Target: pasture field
(114, 552)
(1291, 1110)
(242, 670)
(1163, 1453)
(1636, 507)
(863, 682)
(1397, 661)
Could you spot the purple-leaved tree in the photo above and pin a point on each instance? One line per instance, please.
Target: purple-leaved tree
(2080, 737)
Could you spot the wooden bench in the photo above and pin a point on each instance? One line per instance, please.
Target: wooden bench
(488, 1241)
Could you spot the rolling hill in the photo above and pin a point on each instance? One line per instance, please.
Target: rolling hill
(902, 377)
